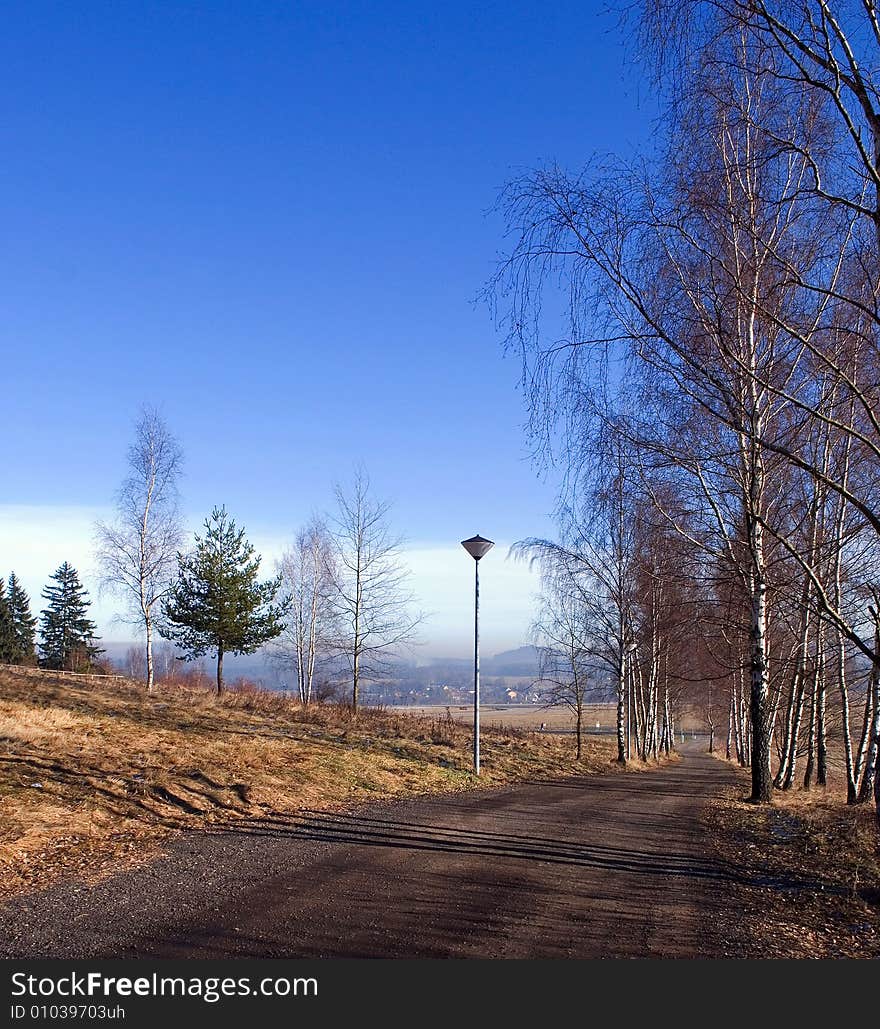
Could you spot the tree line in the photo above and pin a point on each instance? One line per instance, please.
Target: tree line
(714, 389)
(67, 637)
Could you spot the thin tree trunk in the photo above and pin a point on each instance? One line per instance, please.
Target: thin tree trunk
(745, 728)
(149, 628)
(791, 737)
(852, 773)
(811, 740)
(794, 733)
(219, 669)
(738, 734)
(629, 716)
(356, 656)
(784, 749)
(762, 780)
(667, 720)
(635, 680)
(300, 650)
(852, 788)
(815, 709)
(621, 704)
(313, 648)
(869, 780)
(872, 773)
(821, 731)
(864, 740)
(635, 699)
(142, 584)
(355, 680)
(730, 716)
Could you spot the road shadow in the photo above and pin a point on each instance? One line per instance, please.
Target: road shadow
(362, 831)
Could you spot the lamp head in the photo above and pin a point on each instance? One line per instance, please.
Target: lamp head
(477, 546)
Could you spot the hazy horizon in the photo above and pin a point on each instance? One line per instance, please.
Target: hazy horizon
(35, 540)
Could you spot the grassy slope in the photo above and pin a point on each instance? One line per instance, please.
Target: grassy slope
(815, 865)
(94, 774)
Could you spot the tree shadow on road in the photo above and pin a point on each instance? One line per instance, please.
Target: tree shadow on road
(357, 831)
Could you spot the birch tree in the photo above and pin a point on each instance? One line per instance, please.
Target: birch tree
(309, 576)
(828, 50)
(597, 555)
(137, 551)
(679, 278)
(371, 597)
(567, 670)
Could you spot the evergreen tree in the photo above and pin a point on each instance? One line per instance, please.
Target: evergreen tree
(68, 638)
(7, 635)
(23, 622)
(216, 603)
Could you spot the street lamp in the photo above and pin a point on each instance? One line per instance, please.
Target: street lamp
(477, 547)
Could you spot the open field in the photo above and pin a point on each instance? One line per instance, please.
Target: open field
(598, 717)
(519, 716)
(94, 774)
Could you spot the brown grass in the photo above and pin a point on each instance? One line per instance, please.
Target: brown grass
(820, 862)
(95, 774)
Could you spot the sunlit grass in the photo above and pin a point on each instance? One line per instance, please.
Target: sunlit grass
(93, 774)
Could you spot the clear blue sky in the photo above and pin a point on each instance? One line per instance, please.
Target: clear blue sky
(269, 219)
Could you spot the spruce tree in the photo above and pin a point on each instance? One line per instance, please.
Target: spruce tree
(216, 604)
(7, 635)
(23, 622)
(68, 638)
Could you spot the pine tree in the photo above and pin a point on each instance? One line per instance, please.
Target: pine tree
(216, 603)
(23, 622)
(68, 638)
(7, 634)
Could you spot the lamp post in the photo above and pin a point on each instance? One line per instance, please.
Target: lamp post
(477, 547)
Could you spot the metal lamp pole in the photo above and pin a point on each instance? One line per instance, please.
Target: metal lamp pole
(477, 547)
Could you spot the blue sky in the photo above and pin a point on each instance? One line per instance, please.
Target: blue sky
(270, 221)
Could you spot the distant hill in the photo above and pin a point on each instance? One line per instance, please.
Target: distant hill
(520, 662)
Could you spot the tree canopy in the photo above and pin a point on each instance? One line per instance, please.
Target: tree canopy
(217, 603)
(23, 624)
(68, 639)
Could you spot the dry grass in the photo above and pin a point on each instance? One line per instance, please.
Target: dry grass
(95, 774)
(522, 716)
(816, 863)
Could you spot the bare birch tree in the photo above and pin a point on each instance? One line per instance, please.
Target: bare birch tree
(677, 277)
(597, 555)
(567, 670)
(829, 49)
(308, 578)
(737, 288)
(372, 602)
(137, 552)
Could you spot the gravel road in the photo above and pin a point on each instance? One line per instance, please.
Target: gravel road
(605, 866)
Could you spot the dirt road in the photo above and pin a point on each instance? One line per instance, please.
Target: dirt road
(614, 865)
